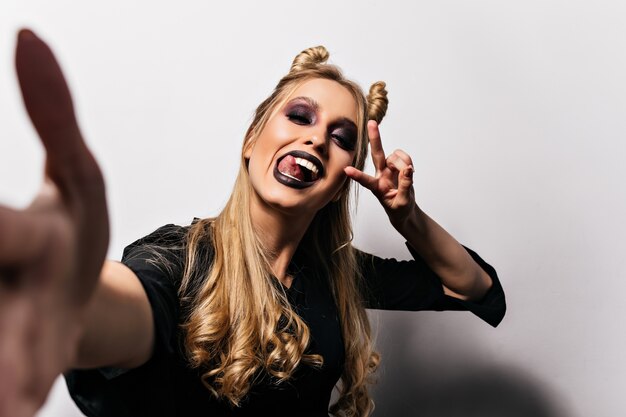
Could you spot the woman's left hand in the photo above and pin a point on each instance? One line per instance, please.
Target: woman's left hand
(392, 183)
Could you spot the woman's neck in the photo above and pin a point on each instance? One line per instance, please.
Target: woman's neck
(280, 234)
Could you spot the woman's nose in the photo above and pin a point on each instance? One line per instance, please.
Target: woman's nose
(319, 142)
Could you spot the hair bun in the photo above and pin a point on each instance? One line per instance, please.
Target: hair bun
(377, 101)
(309, 58)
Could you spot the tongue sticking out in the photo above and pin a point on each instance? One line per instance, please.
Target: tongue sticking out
(289, 167)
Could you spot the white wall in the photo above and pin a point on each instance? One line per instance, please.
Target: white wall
(514, 113)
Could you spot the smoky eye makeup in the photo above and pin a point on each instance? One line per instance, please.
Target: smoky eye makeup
(303, 111)
(300, 113)
(345, 137)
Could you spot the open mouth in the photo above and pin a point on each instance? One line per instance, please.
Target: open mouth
(298, 169)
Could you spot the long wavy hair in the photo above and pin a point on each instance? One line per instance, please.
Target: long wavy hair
(238, 321)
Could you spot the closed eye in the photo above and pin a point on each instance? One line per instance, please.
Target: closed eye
(299, 119)
(343, 142)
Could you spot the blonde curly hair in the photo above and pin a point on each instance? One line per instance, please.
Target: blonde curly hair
(231, 344)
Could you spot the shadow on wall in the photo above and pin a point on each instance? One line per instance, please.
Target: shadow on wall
(437, 367)
(478, 392)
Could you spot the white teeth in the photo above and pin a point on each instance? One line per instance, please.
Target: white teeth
(307, 164)
(290, 176)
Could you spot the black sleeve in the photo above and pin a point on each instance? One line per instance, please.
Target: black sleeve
(389, 284)
(157, 260)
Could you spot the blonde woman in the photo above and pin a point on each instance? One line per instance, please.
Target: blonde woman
(258, 311)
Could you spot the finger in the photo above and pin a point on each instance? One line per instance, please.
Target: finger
(22, 237)
(396, 163)
(376, 146)
(400, 154)
(69, 163)
(405, 183)
(362, 178)
(49, 106)
(15, 316)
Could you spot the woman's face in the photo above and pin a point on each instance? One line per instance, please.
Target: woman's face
(296, 163)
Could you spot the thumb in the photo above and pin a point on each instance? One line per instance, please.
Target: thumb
(362, 178)
(49, 105)
(46, 96)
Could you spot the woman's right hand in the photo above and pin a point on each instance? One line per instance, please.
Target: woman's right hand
(52, 252)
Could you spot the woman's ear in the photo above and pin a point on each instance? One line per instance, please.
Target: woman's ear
(248, 147)
(247, 150)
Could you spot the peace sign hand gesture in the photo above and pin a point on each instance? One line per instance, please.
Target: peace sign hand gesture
(51, 253)
(392, 183)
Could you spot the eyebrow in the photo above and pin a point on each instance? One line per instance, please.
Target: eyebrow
(311, 102)
(316, 106)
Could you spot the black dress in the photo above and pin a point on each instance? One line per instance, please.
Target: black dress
(165, 386)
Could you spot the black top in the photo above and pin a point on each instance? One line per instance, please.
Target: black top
(165, 386)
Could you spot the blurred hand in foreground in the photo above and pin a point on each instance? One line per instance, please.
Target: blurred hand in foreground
(51, 253)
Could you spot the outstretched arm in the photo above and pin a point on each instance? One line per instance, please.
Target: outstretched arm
(58, 307)
(392, 184)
